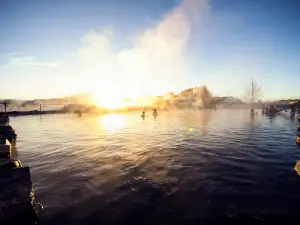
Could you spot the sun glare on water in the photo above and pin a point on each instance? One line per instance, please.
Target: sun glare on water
(112, 122)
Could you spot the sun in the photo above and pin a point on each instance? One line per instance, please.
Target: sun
(109, 99)
(110, 102)
(112, 95)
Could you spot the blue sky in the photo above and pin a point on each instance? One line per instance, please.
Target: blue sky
(55, 48)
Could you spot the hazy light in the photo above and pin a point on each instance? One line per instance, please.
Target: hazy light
(109, 102)
(155, 62)
(156, 59)
(112, 122)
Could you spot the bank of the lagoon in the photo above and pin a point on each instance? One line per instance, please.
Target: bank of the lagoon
(96, 110)
(17, 200)
(184, 167)
(84, 109)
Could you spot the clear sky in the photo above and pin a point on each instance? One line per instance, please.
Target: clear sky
(54, 48)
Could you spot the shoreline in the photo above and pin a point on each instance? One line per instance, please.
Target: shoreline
(34, 112)
(49, 112)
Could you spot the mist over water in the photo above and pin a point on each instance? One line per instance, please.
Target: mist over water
(183, 167)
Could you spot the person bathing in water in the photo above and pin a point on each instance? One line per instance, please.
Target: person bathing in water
(143, 114)
(155, 113)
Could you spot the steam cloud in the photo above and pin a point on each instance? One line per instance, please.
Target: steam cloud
(155, 63)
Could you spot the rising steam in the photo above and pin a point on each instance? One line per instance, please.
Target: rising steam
(155, 63)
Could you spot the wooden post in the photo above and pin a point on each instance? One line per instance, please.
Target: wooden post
(40, 108)
(5, 105)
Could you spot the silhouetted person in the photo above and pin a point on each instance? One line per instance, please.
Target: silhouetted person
(143, 115)
(155, 114)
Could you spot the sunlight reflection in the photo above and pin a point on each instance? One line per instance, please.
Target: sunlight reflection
(112, 122)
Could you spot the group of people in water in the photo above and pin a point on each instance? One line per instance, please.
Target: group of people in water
(273, 111)
(269, 111)
(154, 114)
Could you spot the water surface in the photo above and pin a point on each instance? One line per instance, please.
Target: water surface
(184, 167)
